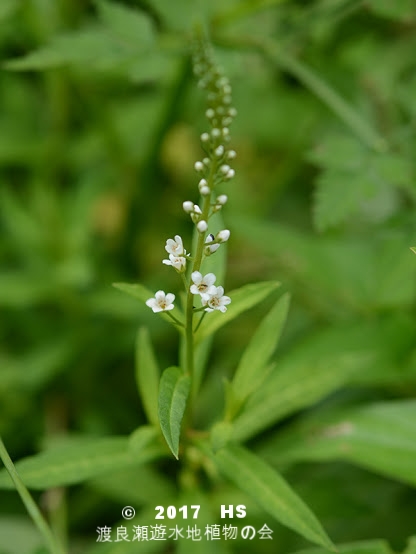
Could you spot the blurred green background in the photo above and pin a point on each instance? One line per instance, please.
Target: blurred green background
(100, 123)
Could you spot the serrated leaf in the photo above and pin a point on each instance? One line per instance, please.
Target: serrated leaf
(130, 25)
(121, 34)
(75, 462)
(242, 299)
(380, 437)
(173, 395)
(252, 475)
(253, 367)
(338, 195)
(147, 375)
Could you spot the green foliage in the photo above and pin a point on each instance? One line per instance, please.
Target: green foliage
(100, 118)
(147, 375)
(173, 394)
(77, 461)
(270, 491)
(242, 299)
(380, 437)
(253, 367)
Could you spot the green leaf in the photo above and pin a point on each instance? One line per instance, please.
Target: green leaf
(380, 437)
(402, 10)
(411, 547)
(142, 437)
(18, 535)
(141, 293)
(137, 291)
(121, 35)
(77, 461)
(129, 25)
(297, 383)
(140, 485)
(253, 368)
(363, 547)
(8, 7)
(242, 299)
(270, 491)
(173, 394)
(147, 375)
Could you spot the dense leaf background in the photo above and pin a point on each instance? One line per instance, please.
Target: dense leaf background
(100, 120)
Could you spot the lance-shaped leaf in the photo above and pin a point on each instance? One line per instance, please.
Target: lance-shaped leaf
(141, 293)
(380, 437)
(252, 475)
(293, 385)
(173, 394)
(242, 299)
(147, 375)
(78, 460)
(253, 367)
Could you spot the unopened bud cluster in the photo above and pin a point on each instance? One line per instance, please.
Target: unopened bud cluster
(213, 170)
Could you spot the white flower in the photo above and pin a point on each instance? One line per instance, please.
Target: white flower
(216, 301)
(203, 285)
(175, 247)
(199, 166)
(178, 262)
(222, 199)
(161, 302)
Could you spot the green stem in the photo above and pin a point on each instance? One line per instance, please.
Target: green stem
(185, 282)
(200, 321)
(176, 320)
(34, 512)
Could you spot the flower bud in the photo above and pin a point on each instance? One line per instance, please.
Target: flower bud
(222, 199)
(225, 168)
(205, 137)
(230, 174)
(205, 191)
(202, 226)
(223, 236)
(188, 206)
(199, 166)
